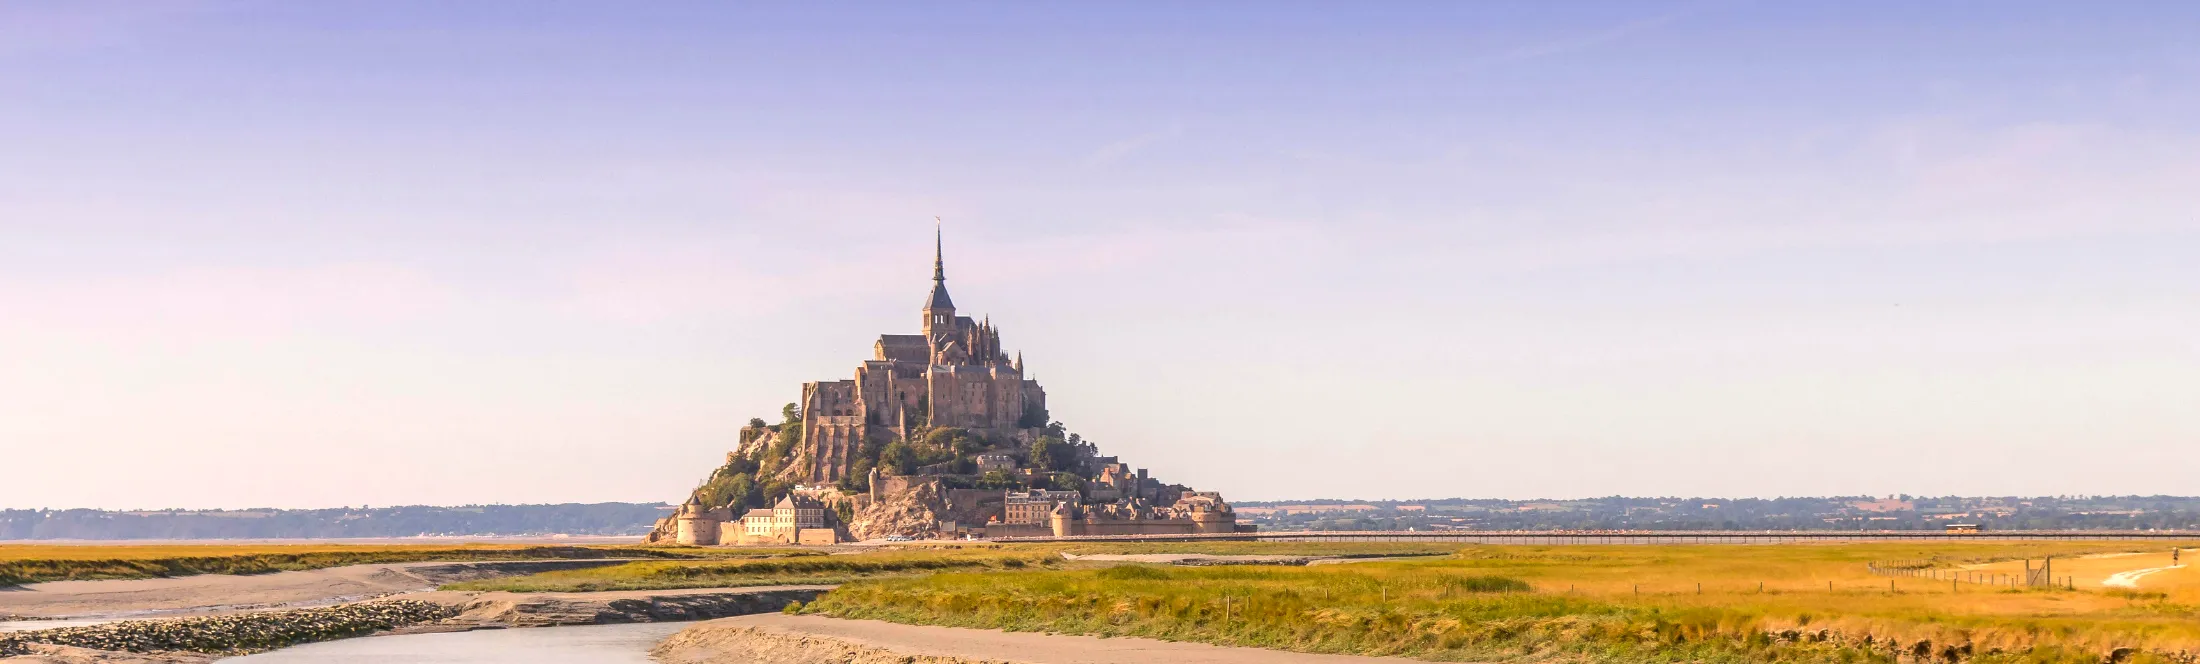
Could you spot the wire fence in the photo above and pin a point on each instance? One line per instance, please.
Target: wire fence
(2042, 576)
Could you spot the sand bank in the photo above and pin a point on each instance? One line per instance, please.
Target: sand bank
(220, 593)
(784, 639)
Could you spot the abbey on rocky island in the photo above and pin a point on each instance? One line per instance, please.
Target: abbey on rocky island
(939, 433)
(953, 374)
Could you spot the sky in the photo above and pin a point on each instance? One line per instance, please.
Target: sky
(370, 253)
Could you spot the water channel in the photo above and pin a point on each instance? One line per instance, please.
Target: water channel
(587, 644)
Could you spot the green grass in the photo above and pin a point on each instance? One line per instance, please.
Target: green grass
(1349, 549)
(787, 571)
(21, 564)
(903, 560)
(1580, 603)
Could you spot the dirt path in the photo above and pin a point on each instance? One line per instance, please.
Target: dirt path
(216, 593)
(783, 639)
(2131, 578)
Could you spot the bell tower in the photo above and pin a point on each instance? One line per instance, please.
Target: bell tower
(939, 310)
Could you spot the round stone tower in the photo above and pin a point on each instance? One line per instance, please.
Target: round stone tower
(1064, 520)
(1207, 520)
(694, 525)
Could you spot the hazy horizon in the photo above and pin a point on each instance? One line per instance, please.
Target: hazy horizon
(311, 255)
(1284, 500)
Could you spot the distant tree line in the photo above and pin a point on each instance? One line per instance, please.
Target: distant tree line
(1787, 513)
(407, 521)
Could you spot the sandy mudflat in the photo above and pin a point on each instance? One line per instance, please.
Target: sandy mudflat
(615, 606)
(782, 639)
(66, 655)
(213, 593)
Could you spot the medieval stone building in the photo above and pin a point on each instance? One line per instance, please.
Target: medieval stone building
(953, 373)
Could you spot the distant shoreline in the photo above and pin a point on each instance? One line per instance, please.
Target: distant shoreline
(436, 539)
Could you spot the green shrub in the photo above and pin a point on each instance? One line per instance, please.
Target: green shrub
(1487, 584)
(1134, 573)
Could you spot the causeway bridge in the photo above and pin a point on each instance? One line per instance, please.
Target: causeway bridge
(1553, 537)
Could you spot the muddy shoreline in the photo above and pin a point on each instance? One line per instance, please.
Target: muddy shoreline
(204, 636)
(785, 639)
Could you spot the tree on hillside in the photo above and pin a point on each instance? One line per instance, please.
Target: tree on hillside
(1066, 482)
(1035, 415)
(1050, 454)
(898, 459)
(998, 480)
(954, 441)
(858, 479)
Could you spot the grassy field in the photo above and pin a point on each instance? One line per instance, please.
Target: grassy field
(35, 563)
(664, 575)
(1736, 603)
(1355, 549)
(905, 560)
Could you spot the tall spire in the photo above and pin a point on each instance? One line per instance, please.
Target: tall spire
(938, 303)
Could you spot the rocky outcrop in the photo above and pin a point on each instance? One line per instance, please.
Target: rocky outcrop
(912, 513)
(229, 634)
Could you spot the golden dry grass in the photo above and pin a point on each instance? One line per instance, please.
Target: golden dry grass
(1601, 603)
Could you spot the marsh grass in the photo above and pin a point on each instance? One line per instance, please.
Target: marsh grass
(21, 564)
(1577, 603)
(1336, 549)
(787, 571)
(1347, 549)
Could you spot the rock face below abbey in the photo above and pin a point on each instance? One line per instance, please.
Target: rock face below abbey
(938, 434)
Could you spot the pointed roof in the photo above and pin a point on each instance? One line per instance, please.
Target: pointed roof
(939, 299)
(785, 502)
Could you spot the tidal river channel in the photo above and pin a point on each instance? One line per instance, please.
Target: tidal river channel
(586, 644)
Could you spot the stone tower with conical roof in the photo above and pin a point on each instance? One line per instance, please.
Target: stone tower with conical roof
(939, 309)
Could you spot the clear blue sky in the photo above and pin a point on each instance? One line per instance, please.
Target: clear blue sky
(309, 254)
